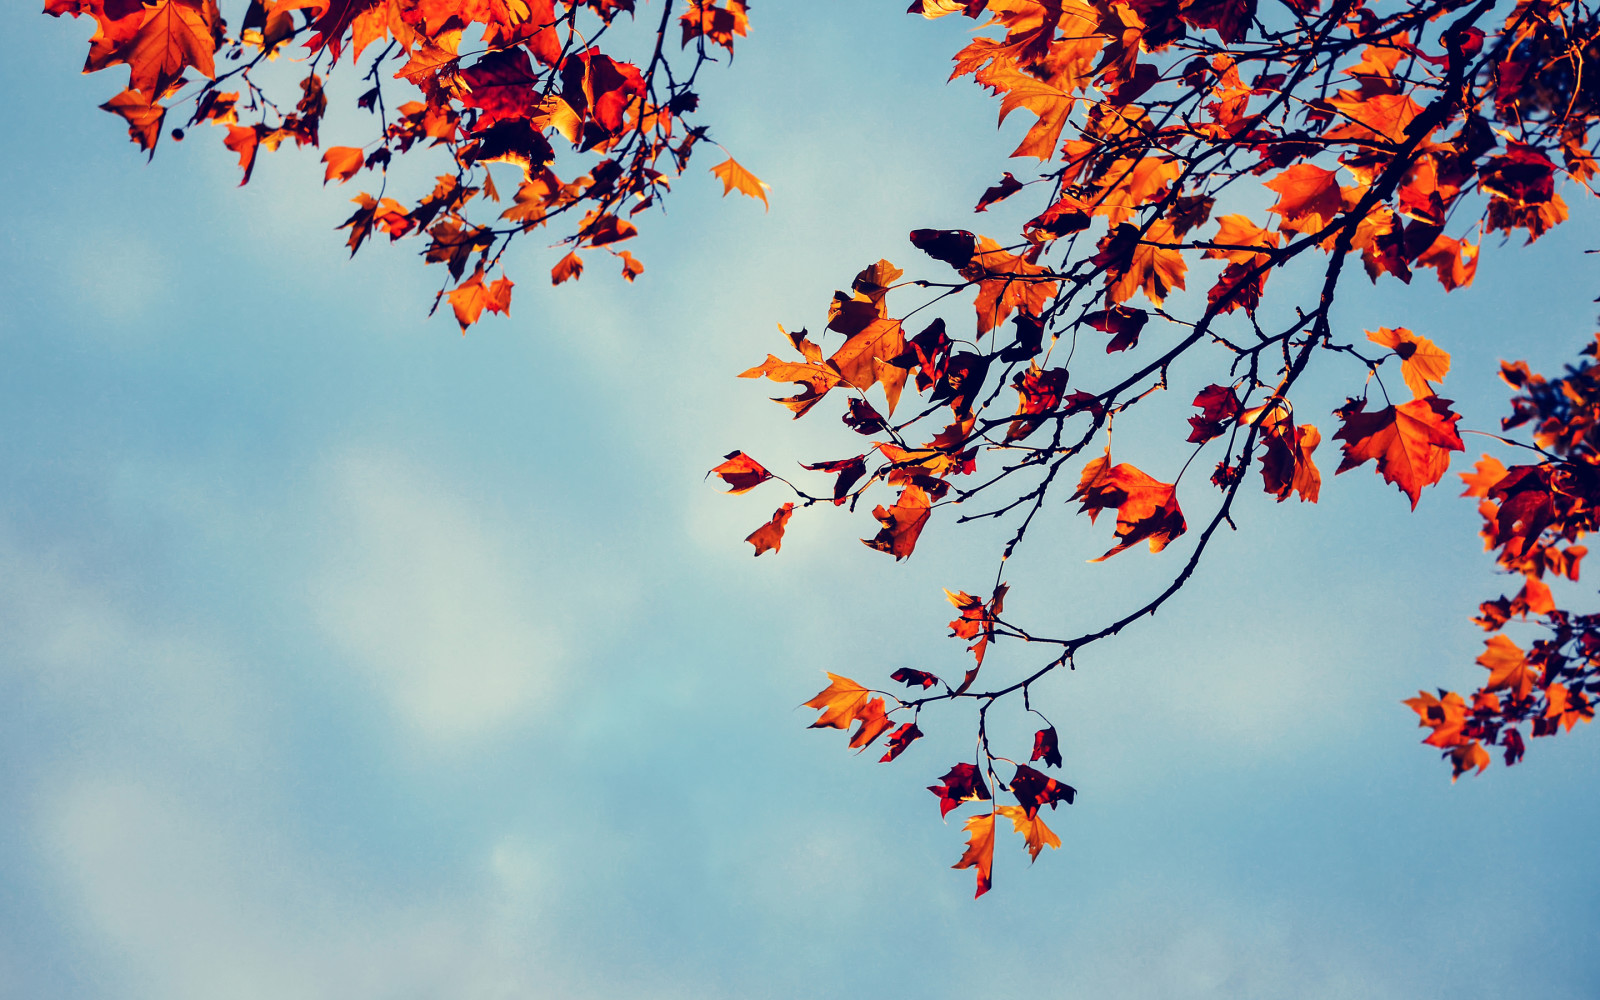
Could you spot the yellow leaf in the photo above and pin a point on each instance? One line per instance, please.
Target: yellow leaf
(1032, 828)
(737, 178)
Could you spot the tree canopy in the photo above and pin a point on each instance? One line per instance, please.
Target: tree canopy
(1200, 180)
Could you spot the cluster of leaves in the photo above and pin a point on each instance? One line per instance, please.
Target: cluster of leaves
(1401, 134)
(1534, 517)
(533, 89)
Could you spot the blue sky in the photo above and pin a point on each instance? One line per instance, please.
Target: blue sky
(343, 656)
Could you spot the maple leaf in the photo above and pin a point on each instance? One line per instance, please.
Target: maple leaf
(567, 268)
(631, 268)
(951, 246)
(343, 163)
(1006, 282)
(1467, 756)
(1122, 322)
(842, 702)
(741, 472)
(1411, 442)
(880, 340)
(472, 297)
(1219, 406)
(914, 678)
(737, 178)
(1000, 191)
(1050, 104)
(1032, 827)
(144, 118)
(769, 537)
(962, 783)
(873, 723)
(1286, 465)
(1147, 510)
(850, 471)
(1446, 716)
(1421, 361)
(980, 850)
(175, 35)
(704, 19)
(902, 523)
(1034, 789)
(1308, 197)
(1038, 392)
(1134, 263)
(899, 740)
(1567, 707)
(815, 377)
(1508, 667)
(1046, 747)
(1486, 474)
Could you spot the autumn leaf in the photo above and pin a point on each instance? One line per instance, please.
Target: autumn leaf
(1508, 667)
(1035, 833)
(902, 523)
(842, 702)
(1006, 282)
(1421, 361)
(1046, 747)
(879, 340)
(175, 35)
(914, 678)
(737, 178)
(741, 472)
(144, 118)
(769, 537)
(343, 163)
(1286, 465)
(1035, 789)
(1411, 443)
(980, 850)
(899, 740)
(1147, 509)
(962, 783)
(567, 268)
(1134, 263)
(1486, 474)
(1308, 197)
(472, 297)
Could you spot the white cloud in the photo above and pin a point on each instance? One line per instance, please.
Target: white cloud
(420, 595)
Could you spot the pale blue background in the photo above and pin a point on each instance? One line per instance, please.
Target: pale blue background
(345, 657)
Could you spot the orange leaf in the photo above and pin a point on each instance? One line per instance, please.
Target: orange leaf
(980, 850)
(902, 523)
(1308, 197)
(737, 178)
(741, 472)
(769, 537)
(143, 117)
(1484, 476)
(1032, 829)
(1147, 510)
(1411, 442)
(472, 297)
(841, 703)
(1508, 666)
(176, 34)
(567, 268)
(881, 339)
(343, 162)
(1421, 361)
(1148, 267)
